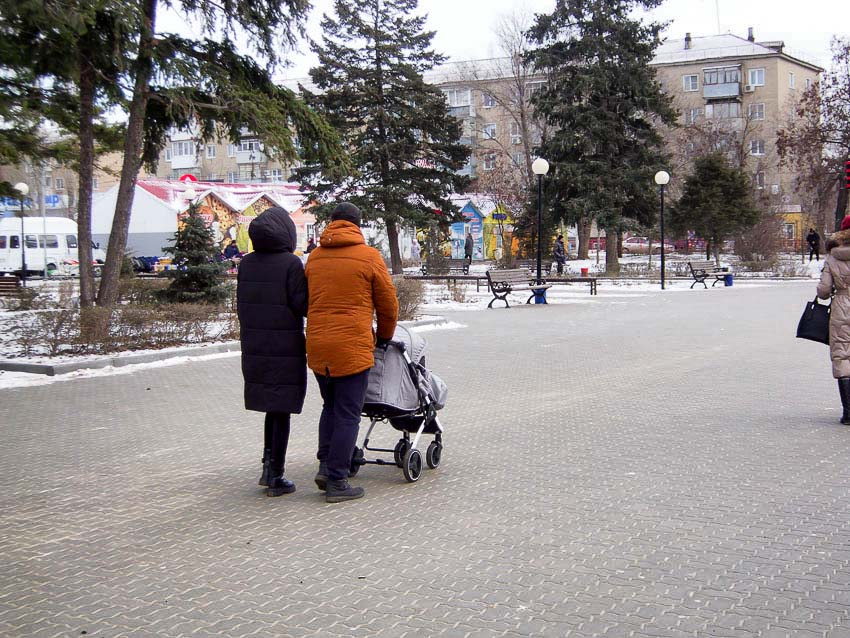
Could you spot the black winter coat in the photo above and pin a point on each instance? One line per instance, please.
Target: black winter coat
(272, 303)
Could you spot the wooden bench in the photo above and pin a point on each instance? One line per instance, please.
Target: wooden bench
(504, 282)
(531, 266)
(557, 279)
(10, 285)
(702, 270)
(451, 267)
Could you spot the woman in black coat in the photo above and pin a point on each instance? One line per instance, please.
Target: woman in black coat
(272, 303)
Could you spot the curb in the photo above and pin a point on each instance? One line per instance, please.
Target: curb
(52, 369)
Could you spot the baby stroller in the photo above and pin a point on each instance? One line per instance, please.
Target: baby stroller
(403, 392)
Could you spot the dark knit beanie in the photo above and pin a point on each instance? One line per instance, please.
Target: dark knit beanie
(845, 223)
(347, 212)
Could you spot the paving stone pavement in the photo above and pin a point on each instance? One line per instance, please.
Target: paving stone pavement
(627, 465)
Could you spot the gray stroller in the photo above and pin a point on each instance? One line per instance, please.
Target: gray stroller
(403, 392)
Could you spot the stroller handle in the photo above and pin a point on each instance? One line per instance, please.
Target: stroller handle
(398, 344)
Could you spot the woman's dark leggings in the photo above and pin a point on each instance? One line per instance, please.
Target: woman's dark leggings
(276, 440)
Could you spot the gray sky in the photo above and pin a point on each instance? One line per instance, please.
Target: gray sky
(464, 28)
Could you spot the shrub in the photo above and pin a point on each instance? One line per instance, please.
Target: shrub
(761, 243)
(410, 294)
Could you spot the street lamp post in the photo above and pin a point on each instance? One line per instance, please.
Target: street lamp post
(662, 178)
(23, 190)
(539, 167)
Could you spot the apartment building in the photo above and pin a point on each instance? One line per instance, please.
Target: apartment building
(222, 161)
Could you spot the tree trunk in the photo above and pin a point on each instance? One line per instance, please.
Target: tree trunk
(583, 229)
(707, 249)
(143, 68)
(86, 173)
(612, 262)
(395, 254)
(620, 244)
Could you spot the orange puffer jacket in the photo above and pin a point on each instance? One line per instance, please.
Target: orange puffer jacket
(348, 283)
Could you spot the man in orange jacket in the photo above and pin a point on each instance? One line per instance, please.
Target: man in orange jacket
(348, 284)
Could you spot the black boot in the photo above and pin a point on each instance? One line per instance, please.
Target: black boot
(264, 477)
(339, 491)
(321, 477)
(280, 485)
(844, 391)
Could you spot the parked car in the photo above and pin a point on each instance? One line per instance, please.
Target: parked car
(640, 246)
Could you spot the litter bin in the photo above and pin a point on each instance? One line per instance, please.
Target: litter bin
(540, 295)
(728, 279)
(584, 272)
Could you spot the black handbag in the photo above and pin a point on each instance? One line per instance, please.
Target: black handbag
(814, 324)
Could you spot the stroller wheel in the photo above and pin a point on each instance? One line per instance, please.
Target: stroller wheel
(412, 465)
(356, 462)
(399, 452)
(432, 455)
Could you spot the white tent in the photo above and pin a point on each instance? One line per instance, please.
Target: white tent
(152, 221)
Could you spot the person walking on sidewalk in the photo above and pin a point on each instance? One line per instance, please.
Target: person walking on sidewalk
(271, 301)
(349, 284)
(560, 254)
(468, 245)
(835, 282)
(813, 239)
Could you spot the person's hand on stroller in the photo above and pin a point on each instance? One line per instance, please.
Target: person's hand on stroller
(383, 343)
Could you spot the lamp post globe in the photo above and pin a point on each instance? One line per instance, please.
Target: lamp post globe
(539, 167)
(662, 178)
(23, 191)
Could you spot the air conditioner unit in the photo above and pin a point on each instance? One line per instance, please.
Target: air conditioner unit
(749, 88)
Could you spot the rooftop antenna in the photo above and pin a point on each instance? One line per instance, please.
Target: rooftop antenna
(717, 13)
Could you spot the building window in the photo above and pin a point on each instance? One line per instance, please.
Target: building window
(182, 149)
(808, 83)
(760, 180)
(722, 75)
(232, 177)
(756, 111)
(168, 154)
(249, 145)
(489, 131)
(518, 159)
(788, 230)
(723, 110)
(460, 101)
(211, 177)
(247, 172)
(691, 82)
(791, 81)
(693, 115)
(231, 150)
(210, 151)
(516, 134)
(756, 77)
(756, 147)
(276, 174)
(533, 87)
(94, 184)
(47, 180)
(488, 101)
(690, 149)
(60, 183)
(489, 161)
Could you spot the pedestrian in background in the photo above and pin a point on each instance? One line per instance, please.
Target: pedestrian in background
(349, 284)
(560, 254)
(311, 246)
(835, 283)
(271, 298)
(467, 247)
(813, 239)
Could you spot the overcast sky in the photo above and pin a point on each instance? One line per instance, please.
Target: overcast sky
(464, 28)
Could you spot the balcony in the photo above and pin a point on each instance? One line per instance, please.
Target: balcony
(250, 157)
(182, 162)
(725, 90)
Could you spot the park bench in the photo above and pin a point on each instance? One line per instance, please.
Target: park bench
(702, 270)
(531, 266)
(558, 279)
(504, 282)
(10, 285)
(449, 267)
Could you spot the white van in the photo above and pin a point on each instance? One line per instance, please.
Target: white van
(59, 244)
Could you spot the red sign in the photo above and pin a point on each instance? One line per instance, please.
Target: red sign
(188, 177)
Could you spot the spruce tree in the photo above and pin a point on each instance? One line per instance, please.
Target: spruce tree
(199, 275)
(601, 101)
(403, 142)
(716, 202)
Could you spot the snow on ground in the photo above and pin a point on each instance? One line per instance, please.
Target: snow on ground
(445, 325)
(24, 379)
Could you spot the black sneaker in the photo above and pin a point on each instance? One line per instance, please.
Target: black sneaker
(339, 491)
(279, 486)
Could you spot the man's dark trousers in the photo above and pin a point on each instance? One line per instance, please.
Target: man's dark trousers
(814, 251)
(339, 424)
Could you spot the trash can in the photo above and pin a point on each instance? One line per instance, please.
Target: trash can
(540, 296)
(584, 272)
(728, 279)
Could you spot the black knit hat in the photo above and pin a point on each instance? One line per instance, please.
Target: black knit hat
(347, 212)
